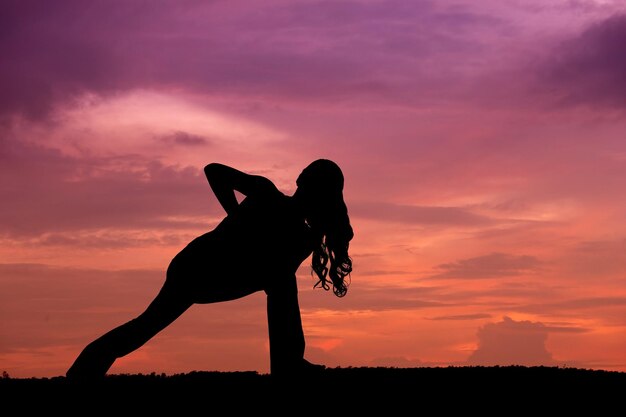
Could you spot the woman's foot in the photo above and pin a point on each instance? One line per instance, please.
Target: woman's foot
(299, 369)
(308, 367)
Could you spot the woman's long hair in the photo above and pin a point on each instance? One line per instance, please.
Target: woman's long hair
(333, 247)
(330, 223)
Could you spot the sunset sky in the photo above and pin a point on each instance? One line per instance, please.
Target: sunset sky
(483, 145)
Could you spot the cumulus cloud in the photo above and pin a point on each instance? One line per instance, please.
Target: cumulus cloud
(494, 265)
(511, 342)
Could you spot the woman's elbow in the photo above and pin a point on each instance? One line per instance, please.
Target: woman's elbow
(211, 167)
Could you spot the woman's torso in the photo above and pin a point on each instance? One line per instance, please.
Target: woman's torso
(262, 241)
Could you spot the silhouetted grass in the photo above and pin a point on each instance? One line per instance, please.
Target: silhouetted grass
(500, 390)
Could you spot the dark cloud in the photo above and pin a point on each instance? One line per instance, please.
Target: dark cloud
(46, 191)
(590, 68)
(393, 52)
(53, 52)
(494, 265)
(424, 215)
(184, 139)
(399, 51)
(511, 342)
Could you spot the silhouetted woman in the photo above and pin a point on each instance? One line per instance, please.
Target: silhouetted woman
(257, 247)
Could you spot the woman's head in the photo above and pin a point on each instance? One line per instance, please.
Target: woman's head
(320, 188)
(323, 176)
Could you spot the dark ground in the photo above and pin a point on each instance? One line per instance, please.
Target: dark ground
(503, 391)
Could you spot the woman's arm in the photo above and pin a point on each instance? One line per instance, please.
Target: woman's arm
(224, 180)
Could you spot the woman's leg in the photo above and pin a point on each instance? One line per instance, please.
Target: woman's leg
(285, 327)
(96, 359)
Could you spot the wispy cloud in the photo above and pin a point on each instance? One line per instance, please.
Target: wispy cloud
(421, 215)
(476, 316)
(46, 191)
(494, 265)
(576, 304)
(377, 298)
(184, 139)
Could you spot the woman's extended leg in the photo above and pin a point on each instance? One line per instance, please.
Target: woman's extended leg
(96, 359)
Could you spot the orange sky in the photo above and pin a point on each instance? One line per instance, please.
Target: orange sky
(482, 145)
